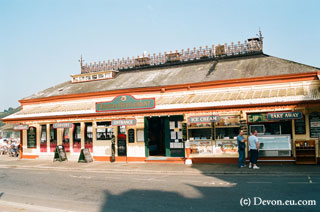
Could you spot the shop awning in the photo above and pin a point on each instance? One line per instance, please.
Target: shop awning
(188, 99)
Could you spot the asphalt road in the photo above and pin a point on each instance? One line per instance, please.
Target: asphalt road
(52, 190)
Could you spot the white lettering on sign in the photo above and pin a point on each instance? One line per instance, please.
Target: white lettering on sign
(21, 127)
(287, 115)
(123, 122)
(199, 119)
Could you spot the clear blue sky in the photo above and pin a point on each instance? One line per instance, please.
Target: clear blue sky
(42, 40)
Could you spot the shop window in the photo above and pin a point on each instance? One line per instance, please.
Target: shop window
(88, 130)
(77, 132)
(32, 137)
(66, 139)
(43, 138)
(76, 137)
(104, 131)
(227, 133)
(278, 128)
(131, 136)
(314, 123)
(53, 138)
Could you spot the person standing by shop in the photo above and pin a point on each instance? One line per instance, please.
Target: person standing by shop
(254, 149)
(241, 149)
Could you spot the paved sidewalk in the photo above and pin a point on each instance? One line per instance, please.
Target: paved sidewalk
(154, 168)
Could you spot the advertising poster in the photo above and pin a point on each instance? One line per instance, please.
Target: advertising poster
(201, 147)
(226, 147)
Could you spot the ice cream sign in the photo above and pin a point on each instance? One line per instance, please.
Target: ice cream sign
(204, 119)
(284, 116)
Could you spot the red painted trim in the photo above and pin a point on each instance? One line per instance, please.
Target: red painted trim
(172, 88)
(136, 159)
(121, 159)
(29, 156)
(154, 100)
(267, 106)
(215, 160)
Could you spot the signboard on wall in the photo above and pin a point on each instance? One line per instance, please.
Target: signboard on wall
(300, 126)
(125, 102)
(284, 116)
(31, 137)
(204, 119)
(123, 122)
(62, 125)
(21, 127)
(257, 117)
(314, 119)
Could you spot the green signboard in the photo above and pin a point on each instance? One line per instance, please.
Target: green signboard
(257, 117)
(32, 137)
(284, 116)
(125, 102)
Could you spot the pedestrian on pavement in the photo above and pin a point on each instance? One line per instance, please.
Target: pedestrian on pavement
(241, 149)
(254, 149)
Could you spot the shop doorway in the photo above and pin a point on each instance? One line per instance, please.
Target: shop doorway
(156, 137)
(122, 141)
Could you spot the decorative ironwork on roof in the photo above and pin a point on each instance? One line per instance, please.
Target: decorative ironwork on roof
(250, 46)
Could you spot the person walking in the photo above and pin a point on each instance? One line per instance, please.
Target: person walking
(241, 149)
(254, 149)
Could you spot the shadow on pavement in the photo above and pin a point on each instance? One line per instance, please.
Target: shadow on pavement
(221, 197)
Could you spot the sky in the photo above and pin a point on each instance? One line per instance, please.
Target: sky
(41, 40)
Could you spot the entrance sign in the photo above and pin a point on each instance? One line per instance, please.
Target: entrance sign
(284, 116)
(122, 122)
(204, 119)
(62, 125)
(21, 127)
(125, 102)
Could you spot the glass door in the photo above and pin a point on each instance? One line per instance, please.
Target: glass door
(122, 141)
(43, 138)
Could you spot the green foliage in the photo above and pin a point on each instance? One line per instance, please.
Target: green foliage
(8, 112)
